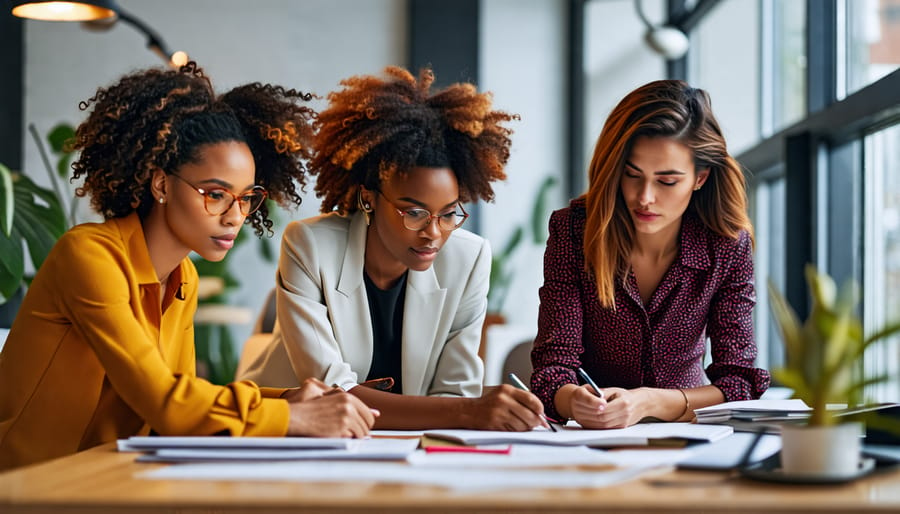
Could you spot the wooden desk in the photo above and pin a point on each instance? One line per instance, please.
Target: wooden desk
(103, 481)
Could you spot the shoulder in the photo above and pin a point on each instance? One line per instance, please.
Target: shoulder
(81, 242)
(326, 230)
(572, 216)
(704, 244)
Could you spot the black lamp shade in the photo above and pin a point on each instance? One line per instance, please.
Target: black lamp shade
(64, 10)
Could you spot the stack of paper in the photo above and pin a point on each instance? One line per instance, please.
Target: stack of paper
(211, 449)
(750, 410)
(637, 435)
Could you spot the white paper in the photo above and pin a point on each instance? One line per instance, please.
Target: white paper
(460, 479)
(363, 449)
(520, 456)
(635, 435)
(144, 443)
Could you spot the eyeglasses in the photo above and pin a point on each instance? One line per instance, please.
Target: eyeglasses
(219, 200)
(419, 219)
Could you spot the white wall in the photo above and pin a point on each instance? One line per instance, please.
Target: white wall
(523, 62)
(308, 45)
(616, 60)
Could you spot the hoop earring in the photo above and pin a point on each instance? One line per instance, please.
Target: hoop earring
(364, 207)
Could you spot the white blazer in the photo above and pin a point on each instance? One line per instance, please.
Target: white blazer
(323, 328)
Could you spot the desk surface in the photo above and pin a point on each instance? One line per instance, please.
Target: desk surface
(103, 481)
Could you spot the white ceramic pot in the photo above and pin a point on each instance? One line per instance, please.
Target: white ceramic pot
(828, 451)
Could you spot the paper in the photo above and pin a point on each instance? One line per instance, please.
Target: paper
(359, 449)
(749, 409)
(520, 456)
(145, 443)
(727, 453)
(636, 435)
(463, 479)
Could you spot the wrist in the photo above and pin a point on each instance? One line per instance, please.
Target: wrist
(562, 400)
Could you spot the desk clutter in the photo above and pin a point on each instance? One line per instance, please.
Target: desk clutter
(474, 460)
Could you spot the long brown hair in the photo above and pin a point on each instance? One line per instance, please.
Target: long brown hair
(663, 108)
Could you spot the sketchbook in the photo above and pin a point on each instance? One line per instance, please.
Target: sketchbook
(642, 434)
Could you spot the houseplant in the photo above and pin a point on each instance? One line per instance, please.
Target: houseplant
(31, 216)
(824, 365)
(502, 269)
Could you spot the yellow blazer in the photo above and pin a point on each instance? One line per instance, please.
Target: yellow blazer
(92, 357)
(323, 328)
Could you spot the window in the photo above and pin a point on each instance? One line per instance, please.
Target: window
(881, 289)
(724, 60)
(784, 100)
(872, 41)
(768, 210)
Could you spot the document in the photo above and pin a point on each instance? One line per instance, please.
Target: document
(460, 479)
(751, 409)
(147, 443)
(358, 449)
(642, 434)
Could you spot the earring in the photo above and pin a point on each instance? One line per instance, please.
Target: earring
(697, 188)
(162, 200)
(364, 206)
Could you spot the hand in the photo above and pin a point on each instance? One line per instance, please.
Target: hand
(619, 408)
(506, 408)
(311, 388)
(330, 414)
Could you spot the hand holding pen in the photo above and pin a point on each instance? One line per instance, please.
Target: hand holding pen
(521, 385)
(589, 381)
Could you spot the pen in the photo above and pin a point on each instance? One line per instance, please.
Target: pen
(587, 378)
(467, 449)
(521, 385)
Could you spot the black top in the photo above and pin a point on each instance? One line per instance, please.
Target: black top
(386, 310)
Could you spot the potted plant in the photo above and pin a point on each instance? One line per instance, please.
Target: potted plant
(31, 216)
(824, 365)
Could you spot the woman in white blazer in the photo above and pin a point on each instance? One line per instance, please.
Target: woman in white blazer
(385, 284)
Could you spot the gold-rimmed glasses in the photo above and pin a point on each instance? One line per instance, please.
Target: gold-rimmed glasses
(416, 218)
(219, 200)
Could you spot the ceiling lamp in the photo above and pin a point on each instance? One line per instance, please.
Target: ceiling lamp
(96, 15)
(667, 41)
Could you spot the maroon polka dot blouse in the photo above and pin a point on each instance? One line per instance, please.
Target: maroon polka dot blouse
(707, 292)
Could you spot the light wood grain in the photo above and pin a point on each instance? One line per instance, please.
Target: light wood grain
(104, 481)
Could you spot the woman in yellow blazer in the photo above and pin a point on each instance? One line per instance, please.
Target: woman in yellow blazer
(390, 286)
(102, 347)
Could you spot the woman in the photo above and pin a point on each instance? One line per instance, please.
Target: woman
(102, 347)
(389, 286)
(654, 259)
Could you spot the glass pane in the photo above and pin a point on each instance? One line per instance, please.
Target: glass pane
(873, 41)
(881, 298)
(768, 222)
(724, 60)
(789, 66)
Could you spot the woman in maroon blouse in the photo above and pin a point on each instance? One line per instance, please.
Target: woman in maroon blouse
(654, 259)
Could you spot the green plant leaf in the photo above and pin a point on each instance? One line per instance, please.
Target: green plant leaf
(39, 224)
(539, 211)
(12, 266)
(512, 243)
(59, 136)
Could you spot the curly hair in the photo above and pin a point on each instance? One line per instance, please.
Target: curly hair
(376, 127)
(159, 118)
(669, 109)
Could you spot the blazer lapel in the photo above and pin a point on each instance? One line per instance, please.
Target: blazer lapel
(350, 305)
(421, 317)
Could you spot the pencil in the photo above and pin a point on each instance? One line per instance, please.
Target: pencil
(521, 385)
